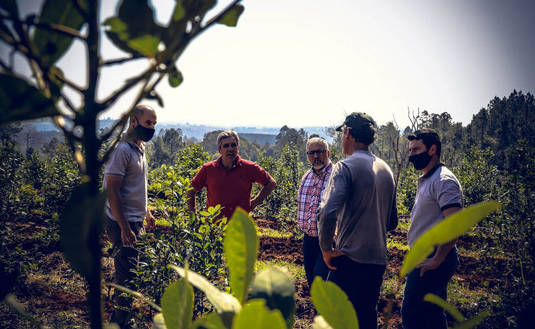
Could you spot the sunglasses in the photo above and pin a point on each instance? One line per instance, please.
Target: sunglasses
(226, 146)
(318, 152)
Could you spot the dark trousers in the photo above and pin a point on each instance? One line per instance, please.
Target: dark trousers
(362, 284)
(417, 313)
(313, 259)
(125, 260)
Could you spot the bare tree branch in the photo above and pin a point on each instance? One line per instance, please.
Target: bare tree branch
(129, 84)
(70, 83)
(216, 18)
(176, 51)
(58, 28)
(118, 61)
(124, 118)
(69, 104)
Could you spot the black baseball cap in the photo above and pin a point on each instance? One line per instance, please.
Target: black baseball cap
(357, 120)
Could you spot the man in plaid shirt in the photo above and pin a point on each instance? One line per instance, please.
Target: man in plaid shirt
(308, 200)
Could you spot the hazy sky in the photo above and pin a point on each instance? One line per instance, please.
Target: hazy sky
(308, 63)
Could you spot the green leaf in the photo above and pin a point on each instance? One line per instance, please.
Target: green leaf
(80, 227)
(134, 29)
(158, 322)
(21, 101)
(320, 323)
(332, 303)
(175, 77)
(232, 16)
(197, 8)
(54, 74)
(276, 287)
(177, 305)
(172, 36)
(211, 321)
(146, 44)
(473, 322)
(179, 12)
(431, 298)
(222, 301)
(447, 230)
(241, 249)
(255, 315)
(52, 45)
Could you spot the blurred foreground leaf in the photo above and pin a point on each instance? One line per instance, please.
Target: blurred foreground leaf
(256, 315)
(241, 249)
(447, 230)
(276, 287)
(232, 16)
(222, 301)
(80, 223)
(52, 45)
(21, 101)
(333, 305)
(177, 305)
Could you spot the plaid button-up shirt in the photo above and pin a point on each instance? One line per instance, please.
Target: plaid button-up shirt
(309, 197)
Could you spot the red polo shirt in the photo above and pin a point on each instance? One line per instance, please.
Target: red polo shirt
(229, 188)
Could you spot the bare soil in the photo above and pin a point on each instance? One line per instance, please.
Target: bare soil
(52, 292)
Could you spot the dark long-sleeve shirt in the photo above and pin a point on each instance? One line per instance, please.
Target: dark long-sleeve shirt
(359, 203)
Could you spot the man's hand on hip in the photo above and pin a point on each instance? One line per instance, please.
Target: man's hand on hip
(428, 265)
(328, 257)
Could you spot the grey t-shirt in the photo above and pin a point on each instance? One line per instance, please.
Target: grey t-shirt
(359, 201)
(437, 191)
(128, 161)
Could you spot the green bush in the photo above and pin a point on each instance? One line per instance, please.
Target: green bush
(287, 170)
(406, 190)
(188, 241)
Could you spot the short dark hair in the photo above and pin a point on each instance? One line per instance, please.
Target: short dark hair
(429, 137)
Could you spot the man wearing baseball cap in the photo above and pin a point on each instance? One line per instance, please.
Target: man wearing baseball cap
(359, 204)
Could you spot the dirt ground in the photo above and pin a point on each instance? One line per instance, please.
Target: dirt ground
(55, 294)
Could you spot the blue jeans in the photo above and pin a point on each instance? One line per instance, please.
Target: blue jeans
(362, 284)
(415, 312)
(313, 259)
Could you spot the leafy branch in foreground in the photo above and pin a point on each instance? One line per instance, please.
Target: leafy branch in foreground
(42, 39)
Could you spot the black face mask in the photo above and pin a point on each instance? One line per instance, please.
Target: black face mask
(144, 133)
(420, 161)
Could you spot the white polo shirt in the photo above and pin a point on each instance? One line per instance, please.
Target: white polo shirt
(437, 191)
(129, 162)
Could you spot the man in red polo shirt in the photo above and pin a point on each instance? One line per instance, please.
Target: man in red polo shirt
(229, 179)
